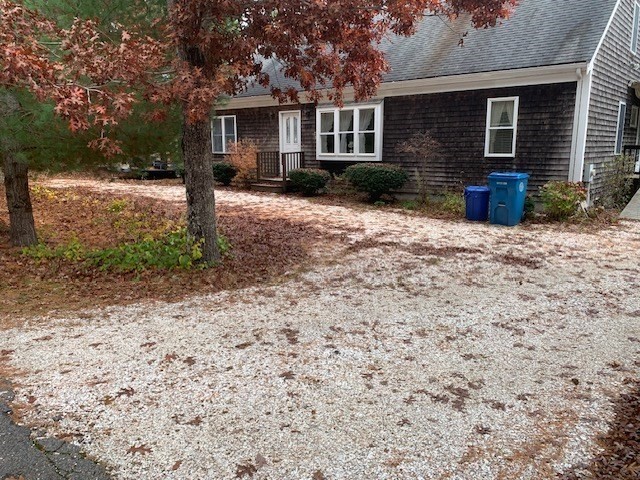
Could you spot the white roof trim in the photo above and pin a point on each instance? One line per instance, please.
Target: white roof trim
(604, 35)
(456, 83)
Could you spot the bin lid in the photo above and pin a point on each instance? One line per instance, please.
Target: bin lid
(474, 188)
(508, 176)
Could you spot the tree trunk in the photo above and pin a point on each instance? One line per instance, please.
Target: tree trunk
(198, 172)
(16, 182)
(198, 178)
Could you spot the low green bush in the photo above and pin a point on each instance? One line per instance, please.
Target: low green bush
(173, 250)
(309, 181)
(529, 207)
(453, 203)
(410, 205)
(376, 179)
(561, 200)
(224, 172)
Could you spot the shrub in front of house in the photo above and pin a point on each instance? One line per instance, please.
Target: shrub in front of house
(244, 157)
(224, 172)
(376, 179)
(561, 200)
(618, 182)
(309, 181)
(454, 203)
(529, 207)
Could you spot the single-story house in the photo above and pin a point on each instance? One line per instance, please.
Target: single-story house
(552, 91)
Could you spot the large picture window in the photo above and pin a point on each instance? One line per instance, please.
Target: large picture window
(223, 132)
(502, 122)
(350, 133)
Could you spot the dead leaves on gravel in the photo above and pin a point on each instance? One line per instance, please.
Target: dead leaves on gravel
(423, 249)
(619, 457)
(139, 450)
(250, 467)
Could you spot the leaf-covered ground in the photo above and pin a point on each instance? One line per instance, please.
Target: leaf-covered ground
(262, 250)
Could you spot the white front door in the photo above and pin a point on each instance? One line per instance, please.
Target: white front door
(290, 132)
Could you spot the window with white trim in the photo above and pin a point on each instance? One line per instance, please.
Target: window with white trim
(223, 132)
(622, 113)
(635, 28)
(502, 126)
(352, 132)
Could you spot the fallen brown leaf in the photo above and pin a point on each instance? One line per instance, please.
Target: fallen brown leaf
(141, 449)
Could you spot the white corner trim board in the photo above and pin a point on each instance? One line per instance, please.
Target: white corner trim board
(580, 125)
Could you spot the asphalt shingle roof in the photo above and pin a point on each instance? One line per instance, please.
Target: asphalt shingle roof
(538, 33)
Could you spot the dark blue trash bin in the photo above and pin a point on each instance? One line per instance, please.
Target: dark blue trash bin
(477, 201)
(508, 193)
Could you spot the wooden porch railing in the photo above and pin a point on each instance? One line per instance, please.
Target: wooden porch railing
(291, 161)
(276, 165)
(633, 151)
(268, 165)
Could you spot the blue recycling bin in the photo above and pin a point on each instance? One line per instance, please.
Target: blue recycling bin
(508, 193)
(477, 202)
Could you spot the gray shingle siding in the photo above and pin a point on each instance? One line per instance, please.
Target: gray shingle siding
(458, 121)
(612, 72)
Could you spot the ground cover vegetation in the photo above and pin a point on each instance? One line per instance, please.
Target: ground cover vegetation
(97, 249)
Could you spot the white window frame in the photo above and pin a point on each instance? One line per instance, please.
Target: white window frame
(635, 27)
(222, 122)
(487, 141)
(620, 122)
(376, 156)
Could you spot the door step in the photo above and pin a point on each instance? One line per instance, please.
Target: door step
(268, 187)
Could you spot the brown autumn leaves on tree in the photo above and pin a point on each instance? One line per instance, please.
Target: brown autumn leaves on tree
(205, 49)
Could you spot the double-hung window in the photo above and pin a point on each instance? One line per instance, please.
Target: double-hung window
(502, 123)
(350, 133)
(622, 113)
(223, 133)
(635, 27)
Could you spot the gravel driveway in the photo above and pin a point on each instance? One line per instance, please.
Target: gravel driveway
(415, 349)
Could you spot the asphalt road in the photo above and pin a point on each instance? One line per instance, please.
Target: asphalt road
(30, 457)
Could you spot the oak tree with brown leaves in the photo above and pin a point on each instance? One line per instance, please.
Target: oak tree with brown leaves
(209, 49)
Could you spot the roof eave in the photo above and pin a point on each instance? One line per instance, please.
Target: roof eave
(542, 75)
